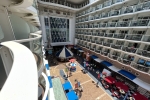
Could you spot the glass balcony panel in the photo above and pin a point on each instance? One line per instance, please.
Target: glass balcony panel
(134, 37)
(103, 15)
(124, 61)
(99, 42)
(139, 23)
(116, 1)
(96, 25)
(123, 24)
(114, 13)
(109, 35)
(144, 53)
(129, 49)
(36, 47)
(100, 34)
(120, 36)
(116, 46)
(143, 6)
(127, 10)
(113, 57)
(107, 3)
(106, 44)
(140, 67)
(112, 24)
(146, 38)
(103, 25)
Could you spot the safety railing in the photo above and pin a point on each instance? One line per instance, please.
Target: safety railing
(140, 67)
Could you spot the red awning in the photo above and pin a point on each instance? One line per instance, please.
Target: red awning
(122, 86)
(110, 80)
(138, 96)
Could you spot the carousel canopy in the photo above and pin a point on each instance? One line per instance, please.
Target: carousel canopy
(64, 53)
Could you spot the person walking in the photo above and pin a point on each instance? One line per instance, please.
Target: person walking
(66, 70)
(98, 78)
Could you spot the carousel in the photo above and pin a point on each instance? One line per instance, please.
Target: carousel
(64, 54)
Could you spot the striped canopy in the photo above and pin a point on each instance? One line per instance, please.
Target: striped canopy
(64, 53)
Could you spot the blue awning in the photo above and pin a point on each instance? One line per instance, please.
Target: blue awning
(72, 95)
(106, 63)
(127, 74)
(67, 86)
(94, 57)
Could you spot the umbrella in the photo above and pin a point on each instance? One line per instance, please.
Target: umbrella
(72, 60)
(64, 53)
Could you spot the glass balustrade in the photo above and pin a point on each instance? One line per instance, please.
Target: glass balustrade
(146, 38)
(36, 48)
(100, 34)
(144, 53)
(96, 25)
(114, 13)
(109, 35)
(99, 42)
(103, 25)
(103, 15)
(116, 1)
(93, 41)
(142, 6)
(139, 23)
(116, 46)
(106, 44)
(140, 67)
(123, 24)
(126, 10)
(129, 49)
(111, 24)
(113, 57)
(119, 36)
(98, 50)
(124, 61)
(107, 3)
(134, 37)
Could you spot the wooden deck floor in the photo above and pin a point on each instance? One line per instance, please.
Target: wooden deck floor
(90, 91)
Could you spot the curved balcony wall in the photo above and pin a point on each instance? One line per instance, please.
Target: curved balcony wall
(23, 74)
(34, 44)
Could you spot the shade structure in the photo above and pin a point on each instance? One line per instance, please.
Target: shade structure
(138, 96)
(106, 63)
(110, 80)
(67, 86)
(72, 95)
(64, 53)
(72, 60)
(122, 86)
(127, 74)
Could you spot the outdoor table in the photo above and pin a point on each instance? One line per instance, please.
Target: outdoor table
(138, 96)
(72, 96)
(67, 86)
(122, 86)
(110, 80)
